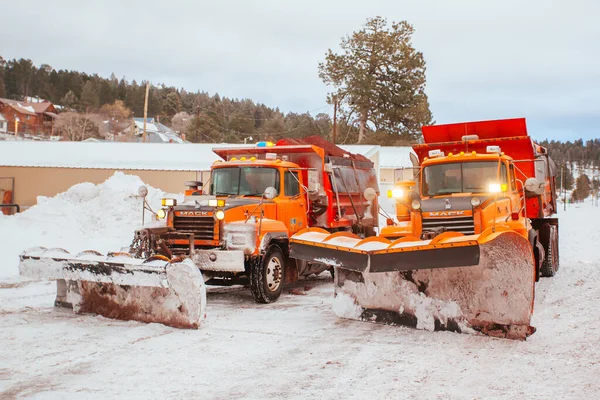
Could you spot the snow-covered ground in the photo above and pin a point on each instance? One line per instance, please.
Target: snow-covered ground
(295, 348)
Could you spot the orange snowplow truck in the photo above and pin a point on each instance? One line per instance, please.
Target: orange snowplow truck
(473, 232)
(233, 230)
(258, 196)
(476, 175)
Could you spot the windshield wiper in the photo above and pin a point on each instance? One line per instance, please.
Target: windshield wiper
(224, 194)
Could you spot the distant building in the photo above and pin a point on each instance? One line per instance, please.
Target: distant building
(155, 131)
(49, 168)
(24, 117)
(3, 124)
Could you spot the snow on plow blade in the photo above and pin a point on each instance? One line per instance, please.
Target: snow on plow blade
(477, 283)
(121, 287)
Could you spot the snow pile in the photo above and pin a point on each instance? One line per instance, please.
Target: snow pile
(344, 306)
(427, 310)
(101, 217)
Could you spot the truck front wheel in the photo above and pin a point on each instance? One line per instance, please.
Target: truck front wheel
(267, 276)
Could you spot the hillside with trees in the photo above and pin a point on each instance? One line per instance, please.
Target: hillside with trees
(371, 110)
(580, 164)
(201, 116)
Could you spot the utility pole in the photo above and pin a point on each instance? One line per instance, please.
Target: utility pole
(565, 195)
(562, 172)
(146, 110)
(335, 106)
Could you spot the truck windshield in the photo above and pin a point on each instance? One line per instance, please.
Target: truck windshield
(244, 181)
(467, 177)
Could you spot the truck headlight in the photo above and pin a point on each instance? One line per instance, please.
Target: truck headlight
(220, 215)
(216, 203)
(161, 214)
(494, 188)
(475, 201)
(416, 204)
(395, 193)
(169, 202)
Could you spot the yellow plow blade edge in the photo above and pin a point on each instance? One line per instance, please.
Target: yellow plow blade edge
(469, 284)
(121, 287)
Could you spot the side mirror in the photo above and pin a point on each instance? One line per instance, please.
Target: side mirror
(270, 193)
(313, 181)
(533, 187)
(370, 194)
(193, 184)
(143, 191)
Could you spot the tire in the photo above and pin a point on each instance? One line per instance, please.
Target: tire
(550, 264)
(267, 276)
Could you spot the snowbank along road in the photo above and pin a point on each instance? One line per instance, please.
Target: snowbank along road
(294, 348)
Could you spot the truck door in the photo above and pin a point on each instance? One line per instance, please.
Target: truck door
(294, 206)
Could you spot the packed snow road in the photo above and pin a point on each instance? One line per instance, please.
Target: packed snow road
(297, 347)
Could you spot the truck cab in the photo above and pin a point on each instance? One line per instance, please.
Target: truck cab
(464, 192)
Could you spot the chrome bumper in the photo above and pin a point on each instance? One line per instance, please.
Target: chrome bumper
(219, 260)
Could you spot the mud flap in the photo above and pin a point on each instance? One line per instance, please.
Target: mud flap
(121, 287)
(468, 284)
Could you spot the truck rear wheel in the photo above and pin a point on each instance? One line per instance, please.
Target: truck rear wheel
(267, 276)
(550, 265)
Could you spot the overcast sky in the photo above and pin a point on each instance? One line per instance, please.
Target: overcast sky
(538, 59)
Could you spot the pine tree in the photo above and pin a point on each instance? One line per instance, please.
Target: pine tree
(582, 188)
(89, 96)
(69, 100)
(380, 77)
(172, 104)
(2, 86)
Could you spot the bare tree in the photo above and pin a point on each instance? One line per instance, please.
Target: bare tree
(180, 122)
(76, 127)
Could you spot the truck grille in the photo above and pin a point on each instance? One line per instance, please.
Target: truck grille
(203, 227)
(464, 225)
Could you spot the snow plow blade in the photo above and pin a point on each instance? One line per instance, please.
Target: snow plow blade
(170, 292)
(467, 284)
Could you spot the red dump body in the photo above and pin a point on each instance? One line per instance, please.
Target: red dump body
(530, 160)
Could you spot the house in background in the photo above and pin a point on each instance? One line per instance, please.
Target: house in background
(26, 117)
(3, 124)
(155, 131)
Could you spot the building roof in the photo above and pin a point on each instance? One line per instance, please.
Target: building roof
(367, 150)
(149, 120)
(112, 155)
(27, 108)
(395, 156)
(157, 132)
(94, 140)
(40, 108)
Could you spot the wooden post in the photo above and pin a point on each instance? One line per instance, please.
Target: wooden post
(146, 110)
(564, 187)
(334, 133)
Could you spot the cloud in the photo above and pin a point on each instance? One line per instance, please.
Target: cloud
(489, 59)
